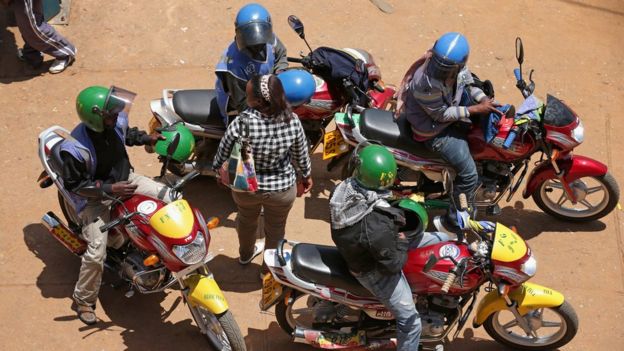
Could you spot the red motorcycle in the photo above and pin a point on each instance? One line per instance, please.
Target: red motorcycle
(567, 186)
(321, 304)
(157, 246)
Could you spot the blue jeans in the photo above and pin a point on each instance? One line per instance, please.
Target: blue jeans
(452, 146)
(395, 293)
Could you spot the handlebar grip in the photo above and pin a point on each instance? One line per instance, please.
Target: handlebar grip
(517, 74)
(106, 227)
(510, 139)
(294, 59)
(463, 202)
(449, 281)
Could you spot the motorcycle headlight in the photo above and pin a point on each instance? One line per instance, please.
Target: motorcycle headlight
(578, 133)
(193, 252)
(530, 266)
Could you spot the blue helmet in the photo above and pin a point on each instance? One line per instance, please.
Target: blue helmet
(253, 26)
(450, 53)
(299, 86)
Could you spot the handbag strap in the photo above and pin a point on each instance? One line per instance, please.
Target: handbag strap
(245, 127)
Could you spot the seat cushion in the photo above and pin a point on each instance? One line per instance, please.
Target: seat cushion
(198, 107)
(324, 265)
(379, 125)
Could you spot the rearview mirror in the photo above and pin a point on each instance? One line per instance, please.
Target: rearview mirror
(519, 51)
(430, 263)
(295, 23)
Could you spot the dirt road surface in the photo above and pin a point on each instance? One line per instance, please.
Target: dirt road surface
(575, 47)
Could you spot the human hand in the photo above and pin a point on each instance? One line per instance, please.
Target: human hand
(123, 188)
(307, 184)
(155, 137)
(486, 106)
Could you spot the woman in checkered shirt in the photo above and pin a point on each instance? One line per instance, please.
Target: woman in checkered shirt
(277, 142)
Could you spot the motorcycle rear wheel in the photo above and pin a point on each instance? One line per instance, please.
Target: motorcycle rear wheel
(510, 334)
(222, 328)
(284, 313)
(585, 210)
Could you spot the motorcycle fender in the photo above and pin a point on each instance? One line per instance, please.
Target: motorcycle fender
(528, 297)
(573, 167)
(204, 291)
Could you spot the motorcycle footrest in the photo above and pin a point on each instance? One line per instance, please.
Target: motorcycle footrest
(63, 234)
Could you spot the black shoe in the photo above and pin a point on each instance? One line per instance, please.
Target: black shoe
(32, 63)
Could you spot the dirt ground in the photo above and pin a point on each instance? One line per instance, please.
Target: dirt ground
(145, 46)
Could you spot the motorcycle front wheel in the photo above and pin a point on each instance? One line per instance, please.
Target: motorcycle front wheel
(596, 198)
(223, 332)
(551, 328)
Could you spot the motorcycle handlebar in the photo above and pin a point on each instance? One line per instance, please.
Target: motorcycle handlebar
(294, 59)
(279, 251)
(106, 227)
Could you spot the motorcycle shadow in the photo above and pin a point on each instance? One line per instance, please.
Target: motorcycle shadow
(316, 204)
(468, 341)
(211, 199)
(532, 223)
(273, 338)
(140, 320)
(232, 276)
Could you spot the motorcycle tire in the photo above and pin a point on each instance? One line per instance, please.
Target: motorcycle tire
(229, 330)
(568, 319)
(612, 191)
(283, 311)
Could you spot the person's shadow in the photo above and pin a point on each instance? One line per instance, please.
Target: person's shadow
(140, 320)
(11, 68)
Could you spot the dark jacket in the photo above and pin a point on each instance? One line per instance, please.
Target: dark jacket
(373, 242)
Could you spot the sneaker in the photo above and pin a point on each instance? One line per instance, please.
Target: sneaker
(85, 313)
(34, 64)
(59, 65)
(441, 224)
(258, 248)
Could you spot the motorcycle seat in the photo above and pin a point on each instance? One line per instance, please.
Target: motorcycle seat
(379, 125)
(198, 107)
(324, 265)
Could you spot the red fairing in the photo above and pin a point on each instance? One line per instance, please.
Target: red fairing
(381, 100)
(574, 168)
(432, 281)
(324, 102)
(139, 236)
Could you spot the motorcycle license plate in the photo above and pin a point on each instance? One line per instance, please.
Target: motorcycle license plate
(271, 292)
(334, 144)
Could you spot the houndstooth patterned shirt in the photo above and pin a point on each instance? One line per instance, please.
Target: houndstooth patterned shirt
(273, 143)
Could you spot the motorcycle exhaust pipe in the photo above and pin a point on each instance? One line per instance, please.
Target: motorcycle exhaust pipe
(342, 341)
(61, 232)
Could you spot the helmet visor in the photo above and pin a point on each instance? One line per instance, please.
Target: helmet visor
(118, 100)
(442, 69)
(254, 33)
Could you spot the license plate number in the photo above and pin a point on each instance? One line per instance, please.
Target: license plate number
(271, 292)
(334, 144)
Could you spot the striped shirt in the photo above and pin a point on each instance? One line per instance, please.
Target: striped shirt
(273, 144)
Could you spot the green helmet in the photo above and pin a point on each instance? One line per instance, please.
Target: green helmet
(186, 143)
(415, 214)
(96, 103)
(375, 168)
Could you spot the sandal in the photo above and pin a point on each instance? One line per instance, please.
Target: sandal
(86, 314)
(258, 248)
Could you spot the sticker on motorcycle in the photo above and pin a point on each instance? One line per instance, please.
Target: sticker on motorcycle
(147, 207)
(449, 250)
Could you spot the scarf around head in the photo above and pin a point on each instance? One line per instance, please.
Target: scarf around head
(351, 202)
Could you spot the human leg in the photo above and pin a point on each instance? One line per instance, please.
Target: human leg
(149, 187)
(394, 292)
(95, 215)
(249, 206)
(277, 206)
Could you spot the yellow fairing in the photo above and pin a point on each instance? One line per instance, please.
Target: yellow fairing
(174, 220)
(528, 297)
(508, 246)
(204, 291)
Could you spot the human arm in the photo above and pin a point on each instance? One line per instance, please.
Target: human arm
(281, 58)
(301, 156)
(136, 137)
(227, 142)
(383, 240)
(236, 89)
(77, 179)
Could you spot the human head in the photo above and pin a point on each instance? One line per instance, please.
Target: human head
(375, 167)
(253, 29)
(265, 93)
(98, 107)
(449, 55)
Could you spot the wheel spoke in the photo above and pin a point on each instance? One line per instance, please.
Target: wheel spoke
(510, 324)
(562, 200)
(587, 204)
(594, 189)
(556, 185)
(548, 324)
